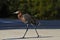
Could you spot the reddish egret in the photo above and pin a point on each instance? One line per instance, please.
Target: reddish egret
(27, 19)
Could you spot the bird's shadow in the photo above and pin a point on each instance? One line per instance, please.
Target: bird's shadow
(28, 37)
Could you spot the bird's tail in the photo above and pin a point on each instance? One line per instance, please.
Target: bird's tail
(35, 22)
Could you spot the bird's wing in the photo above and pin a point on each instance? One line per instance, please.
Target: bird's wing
(30, 19)
(27, 16)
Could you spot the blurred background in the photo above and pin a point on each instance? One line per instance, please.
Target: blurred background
(47, 11)
(40, 9)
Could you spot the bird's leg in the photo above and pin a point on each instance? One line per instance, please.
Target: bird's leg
(36, 31)
(39, 24)
(26, 31)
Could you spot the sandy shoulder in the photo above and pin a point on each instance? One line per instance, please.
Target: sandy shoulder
(16, 34)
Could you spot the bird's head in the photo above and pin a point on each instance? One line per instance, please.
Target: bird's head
(18, 12)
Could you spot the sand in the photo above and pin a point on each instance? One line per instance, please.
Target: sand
(16, 34)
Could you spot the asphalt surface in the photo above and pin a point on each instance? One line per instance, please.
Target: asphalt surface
(17, 24)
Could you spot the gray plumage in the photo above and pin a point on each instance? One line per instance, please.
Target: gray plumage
(30, 19)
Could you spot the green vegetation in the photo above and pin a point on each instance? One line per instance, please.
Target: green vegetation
(40, 9)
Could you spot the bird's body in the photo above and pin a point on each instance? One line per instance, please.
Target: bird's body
(27, 19)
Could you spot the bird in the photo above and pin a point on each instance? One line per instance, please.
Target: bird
(27, 19)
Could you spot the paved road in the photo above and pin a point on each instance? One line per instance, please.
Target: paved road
(16, 34)
(17, 24)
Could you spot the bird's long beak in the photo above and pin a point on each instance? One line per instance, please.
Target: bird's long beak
(16, 12)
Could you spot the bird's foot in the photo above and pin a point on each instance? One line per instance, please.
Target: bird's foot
(38, 36)
(23, 37)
